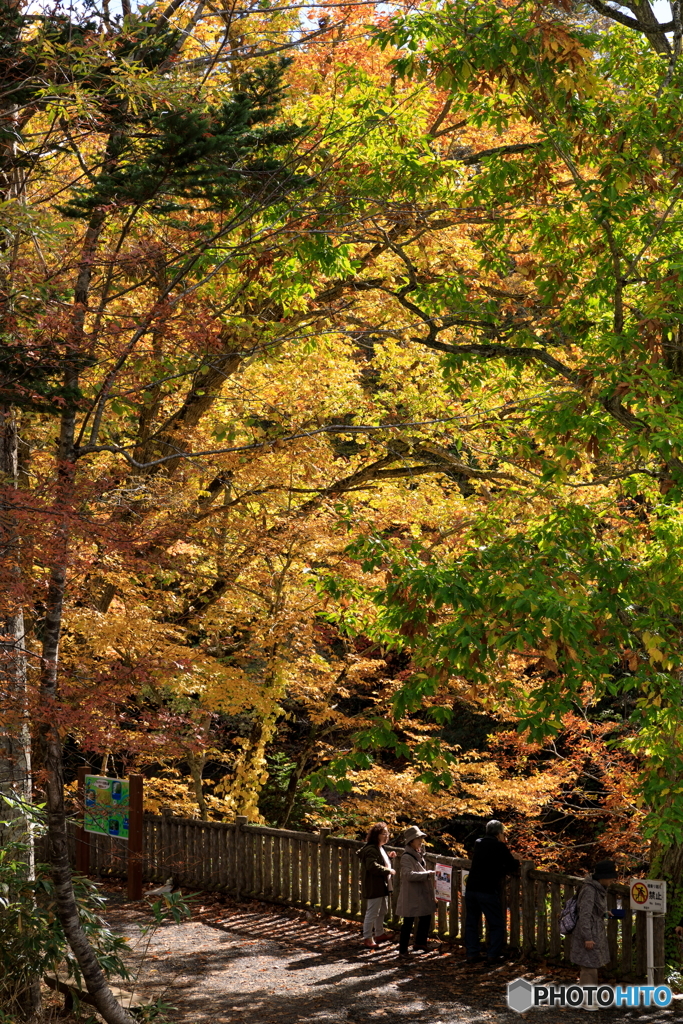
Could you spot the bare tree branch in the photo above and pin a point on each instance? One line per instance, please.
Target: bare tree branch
(645, 22)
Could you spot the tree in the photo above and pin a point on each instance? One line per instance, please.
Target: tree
(559, 327)
(166, 230)
(163, 171)
(369, 304)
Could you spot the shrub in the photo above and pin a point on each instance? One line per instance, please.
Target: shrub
(32, 942)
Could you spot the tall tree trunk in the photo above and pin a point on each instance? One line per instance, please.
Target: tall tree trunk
(50, 741)
(667, 863)
(15, 739)
(293, 784)
(196, 763)
(15, 758)
(15, 735)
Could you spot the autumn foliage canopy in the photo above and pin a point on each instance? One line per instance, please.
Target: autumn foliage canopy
(341, 392)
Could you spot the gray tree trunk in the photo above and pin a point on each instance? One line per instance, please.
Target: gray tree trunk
(15, 749)
(15, 735)
(50, 740)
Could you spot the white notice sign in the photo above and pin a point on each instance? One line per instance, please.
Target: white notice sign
(648, 894)
(442, 881)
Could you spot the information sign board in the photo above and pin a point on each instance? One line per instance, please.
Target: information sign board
(106, 806)
(442, 881)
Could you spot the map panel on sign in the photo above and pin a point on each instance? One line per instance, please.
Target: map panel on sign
(106, 806)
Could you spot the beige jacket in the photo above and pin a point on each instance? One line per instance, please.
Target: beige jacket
(416, 894)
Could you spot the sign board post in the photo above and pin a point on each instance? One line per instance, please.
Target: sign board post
(650, 942)
(82, 840)
(649, 895)
(135, 838)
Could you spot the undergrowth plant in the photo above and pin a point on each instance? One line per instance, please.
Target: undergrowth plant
(32, 942)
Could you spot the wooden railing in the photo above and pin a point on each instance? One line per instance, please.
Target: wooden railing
(320, 872)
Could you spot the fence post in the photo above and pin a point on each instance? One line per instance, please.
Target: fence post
(555, 946)
(240, 821)
(135, 837)
(82, 837)
(627, 925)
(324, 870)
(515, 916)
(612, 933)
(164, 843)
(528, 906)
(541, 917)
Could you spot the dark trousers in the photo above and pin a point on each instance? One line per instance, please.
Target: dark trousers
(488, 904)
(422, 935)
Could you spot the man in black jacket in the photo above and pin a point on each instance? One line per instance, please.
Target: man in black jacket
(491, 862)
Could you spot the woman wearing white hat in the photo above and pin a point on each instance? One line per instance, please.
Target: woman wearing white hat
(416, 895)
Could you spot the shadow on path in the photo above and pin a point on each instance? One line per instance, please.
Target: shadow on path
(260, 964)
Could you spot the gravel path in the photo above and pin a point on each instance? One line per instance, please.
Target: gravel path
(249, 961)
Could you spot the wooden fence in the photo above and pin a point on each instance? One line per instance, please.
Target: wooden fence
(320, 872)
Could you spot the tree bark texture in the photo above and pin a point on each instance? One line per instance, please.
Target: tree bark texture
(15, 740)
(667, 863)
(15, 734)
(50, 740)
(196, 763)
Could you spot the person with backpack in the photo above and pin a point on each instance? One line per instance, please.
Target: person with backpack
(491, 862)
(376, 881)
(416, 897)
(588, 948)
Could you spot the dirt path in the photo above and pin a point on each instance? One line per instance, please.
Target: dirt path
(261, 964)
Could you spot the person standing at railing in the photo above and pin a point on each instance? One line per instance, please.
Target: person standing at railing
(491, 862)
(416, 894)
(589, 949)
(377, 874)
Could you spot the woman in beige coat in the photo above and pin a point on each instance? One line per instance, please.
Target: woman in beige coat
(416, 895)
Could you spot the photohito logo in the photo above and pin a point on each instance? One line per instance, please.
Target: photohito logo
(523, 996)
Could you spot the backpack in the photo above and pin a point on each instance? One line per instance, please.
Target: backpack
(569, 915)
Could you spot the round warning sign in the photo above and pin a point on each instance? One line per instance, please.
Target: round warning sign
(640, 893)
(648, 894)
